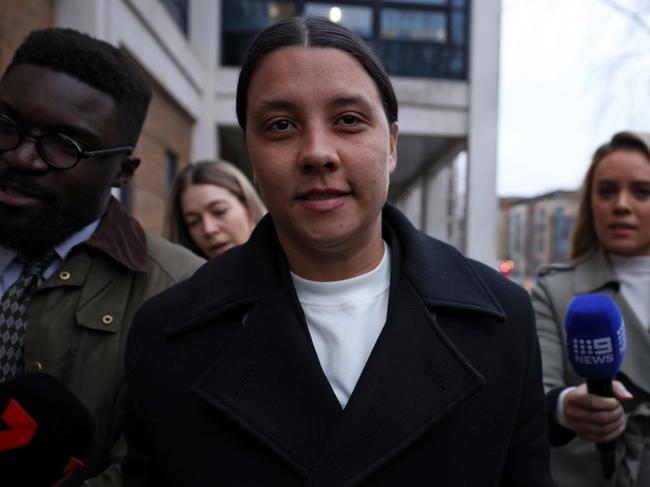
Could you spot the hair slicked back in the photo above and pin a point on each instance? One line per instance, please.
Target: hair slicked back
(313, 32)
(96, 63)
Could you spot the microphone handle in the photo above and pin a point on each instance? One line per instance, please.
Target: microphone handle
(607, 450)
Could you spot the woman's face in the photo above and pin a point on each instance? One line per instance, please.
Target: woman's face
(620, 200)
(215, 218)
(321, 147)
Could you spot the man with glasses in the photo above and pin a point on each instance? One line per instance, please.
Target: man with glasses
(74, 267)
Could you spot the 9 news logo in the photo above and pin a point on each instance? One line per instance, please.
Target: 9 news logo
(597, 351)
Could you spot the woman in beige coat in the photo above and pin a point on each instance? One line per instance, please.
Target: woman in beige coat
(610, 255)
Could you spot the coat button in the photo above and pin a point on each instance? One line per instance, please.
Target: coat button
(64, 275)
(37, 366)
(107, 319)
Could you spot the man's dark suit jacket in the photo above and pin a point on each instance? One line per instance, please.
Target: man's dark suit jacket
(226, 388)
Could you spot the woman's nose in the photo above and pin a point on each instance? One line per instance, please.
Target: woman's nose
(210, 225)
(318, 151)
(622, 202)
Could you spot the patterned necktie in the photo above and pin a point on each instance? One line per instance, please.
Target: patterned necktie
(13, 316)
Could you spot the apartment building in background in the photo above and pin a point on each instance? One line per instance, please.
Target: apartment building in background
(442, 55)
(536, 231)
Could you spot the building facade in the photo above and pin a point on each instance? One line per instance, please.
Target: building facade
(536, 231)
(442, 55)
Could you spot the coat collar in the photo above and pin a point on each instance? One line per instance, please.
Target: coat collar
(593, 273)
(441, 275)
(269, 380)
(121, 237)
(437, 271)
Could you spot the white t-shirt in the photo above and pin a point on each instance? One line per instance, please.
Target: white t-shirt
(344, 320)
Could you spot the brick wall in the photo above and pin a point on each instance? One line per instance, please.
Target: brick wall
(167, 129)
(17, 19)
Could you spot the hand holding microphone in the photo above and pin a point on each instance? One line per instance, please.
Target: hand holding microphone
(595, 418)
(595, 337)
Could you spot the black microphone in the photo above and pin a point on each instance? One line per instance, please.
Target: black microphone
(595, 336)
(44, 431)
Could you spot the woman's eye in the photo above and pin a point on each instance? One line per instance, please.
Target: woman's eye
(191, 223)
(280, 125)
(349, 120)
(606, 192)
(642, 193)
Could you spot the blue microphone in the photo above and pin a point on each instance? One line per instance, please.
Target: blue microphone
(595, 342)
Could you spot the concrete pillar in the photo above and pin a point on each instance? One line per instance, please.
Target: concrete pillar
(89, 17)
(411, 204)
(482, 208)
(435, 203)
(205, 41)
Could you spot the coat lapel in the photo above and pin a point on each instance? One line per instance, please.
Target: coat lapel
(413, 378)
(269, 382)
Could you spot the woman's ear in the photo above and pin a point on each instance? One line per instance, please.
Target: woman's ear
(392, 163)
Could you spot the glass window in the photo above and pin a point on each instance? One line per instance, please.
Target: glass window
(421, 2)
(242, 19)
(247, 15)
(171, 163)
(356, 18)
(458, 27)
(413, 25)
(417, 38)
(178, 9)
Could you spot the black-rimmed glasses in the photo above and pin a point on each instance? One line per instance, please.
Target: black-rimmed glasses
(57, 150)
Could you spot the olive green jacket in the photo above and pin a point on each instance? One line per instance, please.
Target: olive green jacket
(577, 463)
(79, 319)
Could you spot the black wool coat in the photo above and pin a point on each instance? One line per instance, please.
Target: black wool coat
(225, 387)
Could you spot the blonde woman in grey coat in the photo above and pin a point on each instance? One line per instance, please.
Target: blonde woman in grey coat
(610, 252)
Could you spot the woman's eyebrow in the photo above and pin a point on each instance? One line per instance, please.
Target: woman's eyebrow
(209, 205)
(337, 101)
(273, 104)
(347, 100)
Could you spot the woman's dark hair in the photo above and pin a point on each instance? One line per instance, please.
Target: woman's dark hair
(584, 238)
(313, 32)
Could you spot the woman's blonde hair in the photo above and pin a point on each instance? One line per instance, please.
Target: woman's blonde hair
(584, 238)
(220, 173)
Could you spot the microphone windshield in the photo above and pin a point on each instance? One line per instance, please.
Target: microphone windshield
(595, 336)
(44, 430)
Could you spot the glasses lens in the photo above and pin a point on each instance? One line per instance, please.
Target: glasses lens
(9, 135)
(59, 151)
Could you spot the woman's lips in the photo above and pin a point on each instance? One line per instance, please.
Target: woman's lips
(621, 229)
(323, 200)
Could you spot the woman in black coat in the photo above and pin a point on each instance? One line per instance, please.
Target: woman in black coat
(339, 346)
